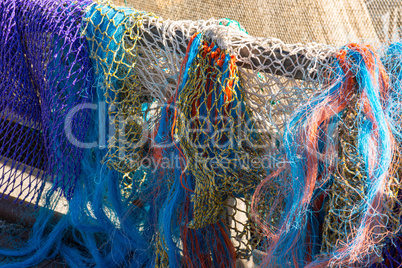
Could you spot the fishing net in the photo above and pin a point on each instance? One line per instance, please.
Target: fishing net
(195, 144)
(154, 81)
(44, 67)
(116, 57)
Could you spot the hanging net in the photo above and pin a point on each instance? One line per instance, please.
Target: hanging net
(374, 22)
(194, 144)
(44, 75)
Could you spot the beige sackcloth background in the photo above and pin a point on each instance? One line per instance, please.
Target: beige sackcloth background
(331, 22)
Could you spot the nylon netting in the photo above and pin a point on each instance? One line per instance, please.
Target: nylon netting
(218, 148)
(122, 87)
(374, 22)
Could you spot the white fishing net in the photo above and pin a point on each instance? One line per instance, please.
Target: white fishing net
(278, 78)
(332, 22)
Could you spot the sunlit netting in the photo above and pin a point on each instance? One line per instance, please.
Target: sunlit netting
(331, 22)
(198, 145)
(216, 132)
(43, 68)
(348, 195)
(392, 251)
(116, 58)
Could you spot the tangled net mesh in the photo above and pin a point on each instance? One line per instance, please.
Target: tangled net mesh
(271, 88)
(289, 152)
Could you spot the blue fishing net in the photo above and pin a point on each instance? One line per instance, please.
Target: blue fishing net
(45, 74)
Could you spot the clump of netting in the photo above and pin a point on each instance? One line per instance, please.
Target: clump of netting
(309, 221)
(216, 132)
(53, 92)
(117, 79)
(119, 55)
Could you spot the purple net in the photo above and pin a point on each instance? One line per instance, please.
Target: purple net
(45, 73)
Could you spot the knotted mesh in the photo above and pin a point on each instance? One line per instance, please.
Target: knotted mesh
(45, 73)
